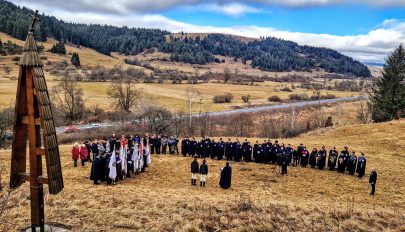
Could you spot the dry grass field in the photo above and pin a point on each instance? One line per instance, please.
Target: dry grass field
(162, 199)
(174, 96)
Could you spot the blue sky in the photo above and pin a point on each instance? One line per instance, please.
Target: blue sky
(336, 20)
(367, 30)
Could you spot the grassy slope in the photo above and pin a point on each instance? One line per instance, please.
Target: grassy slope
(163, 200)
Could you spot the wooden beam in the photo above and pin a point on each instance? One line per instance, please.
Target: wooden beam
(24, 120)
(24, 176)
(43, 179)
(40, 151)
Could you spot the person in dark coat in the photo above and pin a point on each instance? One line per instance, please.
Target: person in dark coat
(220, 149)
(206, 149)
(332, 159)
(312, 158)
(95, 165)
(248, 152)
(255, 150)
(203, 173)
(321, 161)
(341, 163)
(304, 157)
(275, 152)
(296, 156)
(289, 150)
(192, 147)
(351, 165)
(300, 148)
(194, 170)
(346, 156)
(114, 143)
(238, 152)
(200, 148)
(184, 146)
(214, 149)
(157, 144)
(361, 165)
(88, 146)
(266, 152)
(284, 163)
(229, 150)
(373, 180)
(226, 177)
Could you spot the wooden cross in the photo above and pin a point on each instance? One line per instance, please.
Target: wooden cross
(35, 18)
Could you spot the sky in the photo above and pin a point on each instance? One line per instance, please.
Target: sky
(367, 30)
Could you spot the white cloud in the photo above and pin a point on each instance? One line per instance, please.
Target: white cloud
(232, 9)
(373, 46)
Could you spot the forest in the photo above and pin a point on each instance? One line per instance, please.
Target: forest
(268, 53)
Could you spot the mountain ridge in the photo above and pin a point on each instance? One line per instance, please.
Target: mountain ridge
(267, 53)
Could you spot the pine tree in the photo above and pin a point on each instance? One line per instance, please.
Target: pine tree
(58, 48)
(387, 99)
(75, 59)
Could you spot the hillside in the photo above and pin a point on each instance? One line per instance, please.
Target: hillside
(268, 54)
(259, 200)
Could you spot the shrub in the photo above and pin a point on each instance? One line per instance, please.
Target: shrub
(246, 98)
(225, 98)
(132, 61)
(58, 48)
(43, 57)
(274, 98)
(16, 58)
(298, 97)
(286, 89)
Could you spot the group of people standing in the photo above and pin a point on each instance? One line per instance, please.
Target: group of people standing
(114, 160)
(275, 153)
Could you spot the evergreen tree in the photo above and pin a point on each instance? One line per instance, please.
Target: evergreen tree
(387, 100)
(75, 59)
(58, 48)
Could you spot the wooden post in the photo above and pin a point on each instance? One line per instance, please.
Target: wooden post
(33, 117)
(35, 161)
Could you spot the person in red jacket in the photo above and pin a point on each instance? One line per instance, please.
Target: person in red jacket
(83, 153)
(75, 154)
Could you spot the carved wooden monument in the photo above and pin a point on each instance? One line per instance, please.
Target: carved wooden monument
(34, 123)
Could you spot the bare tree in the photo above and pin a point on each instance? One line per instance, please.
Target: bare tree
(67, 97)
(178, 122)
(125, 94)
(241, 126)
(7, 69)
(364, 113)
(227, 75)
(156, 118)
(6, 123)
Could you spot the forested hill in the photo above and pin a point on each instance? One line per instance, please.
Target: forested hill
(268, 54)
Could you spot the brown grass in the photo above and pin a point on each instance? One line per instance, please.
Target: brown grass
(174, 97)
(260, 199)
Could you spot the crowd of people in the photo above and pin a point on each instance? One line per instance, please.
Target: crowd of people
(276, 153)
(115, 159)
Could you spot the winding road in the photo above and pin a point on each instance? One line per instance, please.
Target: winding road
(256, 109)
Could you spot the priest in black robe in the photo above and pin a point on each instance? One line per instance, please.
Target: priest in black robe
(361, 165)
(351, 164)
(226, 177)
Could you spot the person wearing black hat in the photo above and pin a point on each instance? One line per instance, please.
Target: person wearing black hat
(194, 170)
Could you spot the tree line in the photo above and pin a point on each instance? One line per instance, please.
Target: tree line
(269, 54)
